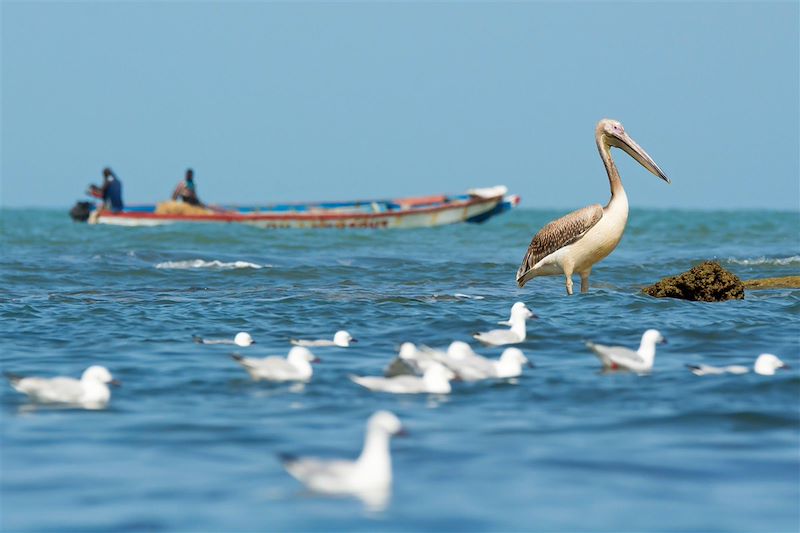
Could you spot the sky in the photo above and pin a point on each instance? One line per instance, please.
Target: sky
(271, 102)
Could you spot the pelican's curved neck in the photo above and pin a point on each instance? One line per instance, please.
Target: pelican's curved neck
(611, 169)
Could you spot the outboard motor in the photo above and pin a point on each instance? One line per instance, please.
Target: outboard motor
(80, 211)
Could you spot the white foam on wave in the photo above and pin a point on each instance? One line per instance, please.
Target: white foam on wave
(467, 296)
(200, 263)
(780, 261)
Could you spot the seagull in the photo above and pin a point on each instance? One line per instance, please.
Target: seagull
(766, 364)
(514, 335)
(436, 380)
(470, 366)
(517, 305)
(369, 477)
(294, 367)
(410, 361)
(462, 360)
(341, 339)
(242, 339)
(575, 242)
(619, 358)
(90, 392)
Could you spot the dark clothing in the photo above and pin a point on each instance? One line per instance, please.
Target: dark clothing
(187, 192)
(112, 194)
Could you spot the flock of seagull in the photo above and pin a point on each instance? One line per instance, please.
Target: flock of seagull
(415, 370)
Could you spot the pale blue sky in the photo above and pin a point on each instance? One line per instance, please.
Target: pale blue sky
(323, 101)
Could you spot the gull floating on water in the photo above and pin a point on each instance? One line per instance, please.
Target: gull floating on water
(766, 364)
(514, 335)
(517, 305)
(242, 339)
(294, 367)
(470, 366)
(620, 358)
(90, 392)
(369, 477)
(410, 361)
(462, 359)
(341, 339)
(436, 380)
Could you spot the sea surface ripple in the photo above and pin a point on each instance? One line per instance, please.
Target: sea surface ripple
(189, 442)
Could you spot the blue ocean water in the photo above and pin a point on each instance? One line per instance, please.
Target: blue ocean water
(189, 442)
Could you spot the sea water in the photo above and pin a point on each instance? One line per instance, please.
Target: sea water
(189, 442)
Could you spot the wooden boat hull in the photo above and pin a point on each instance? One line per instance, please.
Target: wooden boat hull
(402, 213)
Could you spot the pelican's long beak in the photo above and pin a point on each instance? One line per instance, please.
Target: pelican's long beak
(624, 142)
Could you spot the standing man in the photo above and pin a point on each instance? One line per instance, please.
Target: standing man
(110, 192)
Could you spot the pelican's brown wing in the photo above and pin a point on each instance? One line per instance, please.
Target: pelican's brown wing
(558, 234)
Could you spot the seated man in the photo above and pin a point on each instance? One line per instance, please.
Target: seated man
(187, 191)
(110, 192)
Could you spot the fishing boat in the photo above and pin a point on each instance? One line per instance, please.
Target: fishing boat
(475, 206)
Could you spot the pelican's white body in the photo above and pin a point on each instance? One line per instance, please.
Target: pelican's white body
(598, 243)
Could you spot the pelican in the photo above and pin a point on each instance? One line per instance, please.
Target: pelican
(575, 242)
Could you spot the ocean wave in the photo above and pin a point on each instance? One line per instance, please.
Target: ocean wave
(781, 261)
(200, 263)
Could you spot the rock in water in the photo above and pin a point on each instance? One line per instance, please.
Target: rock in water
(785, 282)
(706, 282)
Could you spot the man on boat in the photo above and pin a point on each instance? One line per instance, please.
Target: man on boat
(187, 191)
(110, 192)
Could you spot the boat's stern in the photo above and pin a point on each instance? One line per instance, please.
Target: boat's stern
(508, 202)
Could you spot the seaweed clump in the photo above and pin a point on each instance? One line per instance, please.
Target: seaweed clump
(706, 282)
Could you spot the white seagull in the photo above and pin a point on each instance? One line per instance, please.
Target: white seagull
(410, 361)
(462, 359)
(341, 339)
(436, 380)
(620, 358)
(242, 339)
(470, 366)
(514, 335)
(369, 477)
(90, 392)
(517, 305)
(294, 367)
(766, 364)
